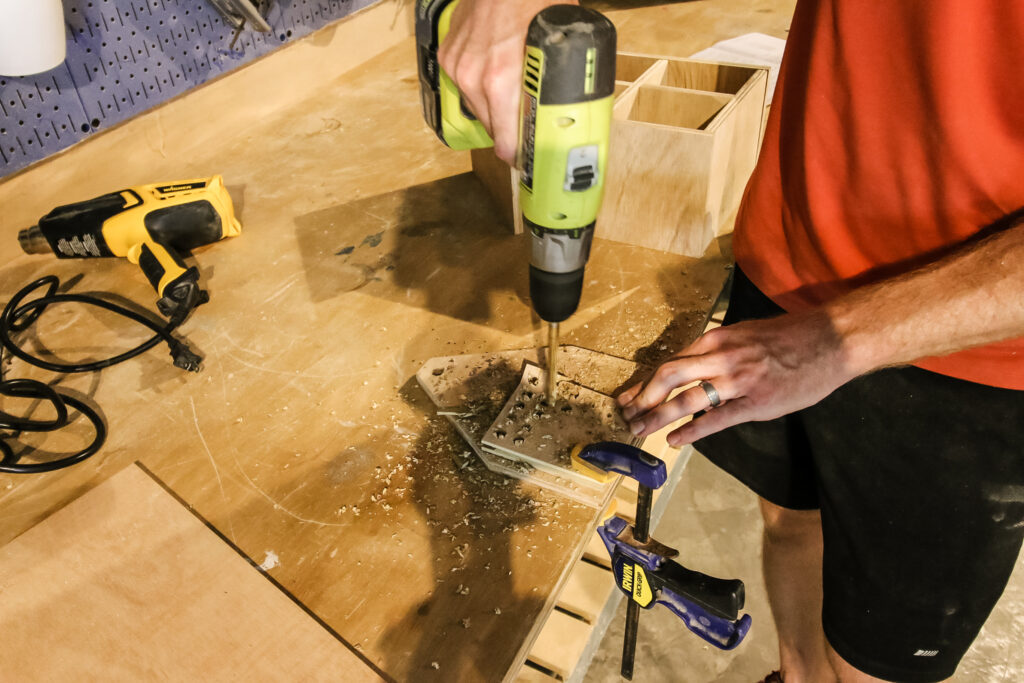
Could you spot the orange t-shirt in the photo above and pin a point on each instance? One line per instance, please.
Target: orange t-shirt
(896, 134)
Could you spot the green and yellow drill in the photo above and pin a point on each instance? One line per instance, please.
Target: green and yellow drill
(566, 111)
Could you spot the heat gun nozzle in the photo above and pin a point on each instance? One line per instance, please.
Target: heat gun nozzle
(32, 241)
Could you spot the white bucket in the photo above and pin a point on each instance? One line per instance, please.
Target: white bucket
(32, 38)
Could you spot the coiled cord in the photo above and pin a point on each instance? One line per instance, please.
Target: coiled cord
(18, 317)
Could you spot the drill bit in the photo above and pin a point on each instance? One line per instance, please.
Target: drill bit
(552, 362)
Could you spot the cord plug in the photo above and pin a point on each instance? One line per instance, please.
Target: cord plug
(184, 358)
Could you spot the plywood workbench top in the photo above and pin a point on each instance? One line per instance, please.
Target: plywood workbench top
(366, 249)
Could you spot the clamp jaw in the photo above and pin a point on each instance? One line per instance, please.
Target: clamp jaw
(644, 568)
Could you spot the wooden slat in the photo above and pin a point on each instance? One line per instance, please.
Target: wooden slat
(527, 674)
(596, 552)
(560, 643)
(586, 591)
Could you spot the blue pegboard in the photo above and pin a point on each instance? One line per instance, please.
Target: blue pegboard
(126, 56)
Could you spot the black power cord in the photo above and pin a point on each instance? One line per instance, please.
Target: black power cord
(18, 317)
(30, 388)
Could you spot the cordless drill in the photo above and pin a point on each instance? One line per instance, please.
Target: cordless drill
(565, 119)
(151, 225)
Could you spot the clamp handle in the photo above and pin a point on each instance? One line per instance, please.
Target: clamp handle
(627, 460)
(724, 634)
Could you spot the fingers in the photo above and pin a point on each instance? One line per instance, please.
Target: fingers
(712, 421)
(503, 92)
(682, 405)
(483, 54)
(629, 394)
(670, 375)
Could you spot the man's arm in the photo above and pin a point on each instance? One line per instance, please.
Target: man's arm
(764, 369)
(483, 53)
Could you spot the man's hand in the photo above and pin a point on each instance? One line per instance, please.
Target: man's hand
(762, 369)
(483, 53)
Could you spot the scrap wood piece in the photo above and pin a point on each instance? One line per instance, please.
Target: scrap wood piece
(126, 583)
(532, 430)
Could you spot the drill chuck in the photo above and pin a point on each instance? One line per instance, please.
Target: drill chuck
(557, 261)
(33, 242)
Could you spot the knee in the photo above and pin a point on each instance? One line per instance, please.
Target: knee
(783, 524)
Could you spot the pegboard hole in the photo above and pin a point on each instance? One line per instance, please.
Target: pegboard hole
(85, 127)
(95, 123)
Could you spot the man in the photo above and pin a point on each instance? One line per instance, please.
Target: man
(869, 384)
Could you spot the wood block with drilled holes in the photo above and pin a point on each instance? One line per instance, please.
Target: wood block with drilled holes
(470, 390)
(532, 430)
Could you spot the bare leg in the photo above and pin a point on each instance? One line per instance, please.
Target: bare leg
(792, 573)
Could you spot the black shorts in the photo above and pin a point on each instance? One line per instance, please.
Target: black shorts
(920, 481)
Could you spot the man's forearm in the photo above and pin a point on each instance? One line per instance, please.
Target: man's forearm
(972, 297)
(763, 369)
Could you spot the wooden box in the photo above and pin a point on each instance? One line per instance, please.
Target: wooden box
(685, 138)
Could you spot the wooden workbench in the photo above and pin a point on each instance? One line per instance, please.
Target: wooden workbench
(367, 248)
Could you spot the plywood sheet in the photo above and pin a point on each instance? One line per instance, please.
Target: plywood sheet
(127, 584)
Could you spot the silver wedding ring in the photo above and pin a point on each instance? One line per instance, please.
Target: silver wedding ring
(712, 393)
